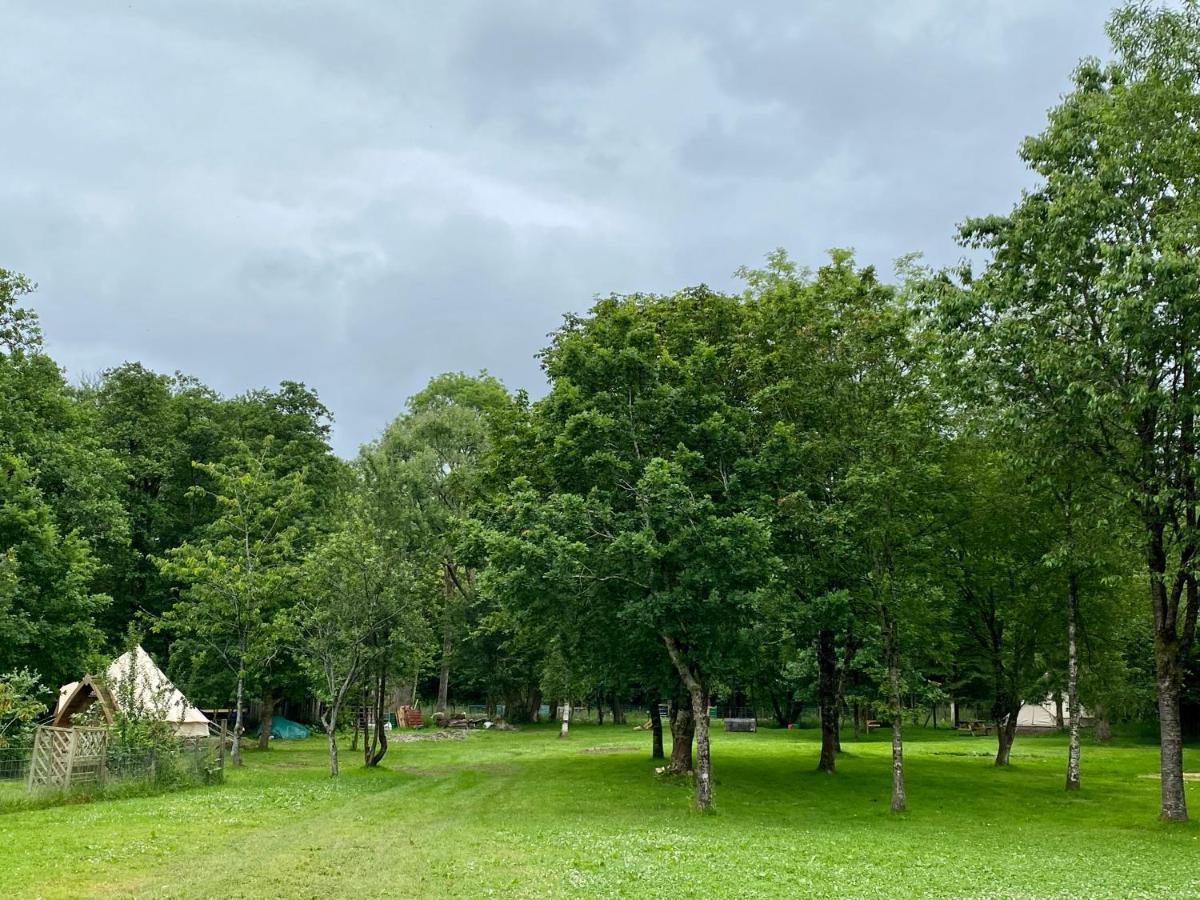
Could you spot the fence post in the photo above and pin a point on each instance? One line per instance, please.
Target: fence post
(33, 758)
(71, 745)
(221, 752)
(102, 775)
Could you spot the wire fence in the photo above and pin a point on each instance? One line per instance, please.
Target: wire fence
(40, 769)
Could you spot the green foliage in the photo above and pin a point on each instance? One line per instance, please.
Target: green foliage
(241, 572)
(22, 701)
(20, 331)
(365, 604)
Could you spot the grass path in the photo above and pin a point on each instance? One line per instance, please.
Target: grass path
(524, 814)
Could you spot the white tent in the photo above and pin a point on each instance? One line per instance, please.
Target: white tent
(1038, 715)
(136, 686)
(1043, 715)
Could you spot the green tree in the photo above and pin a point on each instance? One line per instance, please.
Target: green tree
(241, 569)
(1006, 602)
(362, 611)
(151, 423)
(646, 423)
(58, 507)
(848, 469)
(1090, 294)
(22, 701)
(429, 469)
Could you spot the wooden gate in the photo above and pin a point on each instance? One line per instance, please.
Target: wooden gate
(63, 757)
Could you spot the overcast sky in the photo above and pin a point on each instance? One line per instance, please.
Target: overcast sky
(359, 195)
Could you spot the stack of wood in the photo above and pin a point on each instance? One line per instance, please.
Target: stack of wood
(410, 717)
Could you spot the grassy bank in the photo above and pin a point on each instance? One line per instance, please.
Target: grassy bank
(525, 814)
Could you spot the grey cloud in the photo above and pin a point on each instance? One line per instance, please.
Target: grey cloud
(361, 195)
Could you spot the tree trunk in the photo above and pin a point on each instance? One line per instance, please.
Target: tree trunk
(331, 733)
(376, 747)
(892, 651)
(855, 715)
(1072, 684)
(683, 731)
(780, 714)
(359, 715)
(618, 711)
(1006, 731)
(1169, 676)
(268, 716)
(447, 648)
(236, 752)
(600, 711)
(703, 754)
(1103, 726)
(1006, 707)
(564, 730)
(843, 672)
(1174, 802)
(699, 697)
(827, 694)
(1059, 720)
(656, 749)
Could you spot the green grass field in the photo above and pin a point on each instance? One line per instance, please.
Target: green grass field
(524, 814)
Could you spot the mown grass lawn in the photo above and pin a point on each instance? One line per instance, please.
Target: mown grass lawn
(524, 814)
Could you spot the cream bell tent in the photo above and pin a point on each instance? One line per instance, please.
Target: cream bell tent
(1038, 715)
(136, 686)
(1043, 715)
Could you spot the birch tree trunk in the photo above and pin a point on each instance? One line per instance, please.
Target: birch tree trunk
(891, 648)
(331, 733)
(236, 752)
(564, 730)
(703, 754)
(1073, 711)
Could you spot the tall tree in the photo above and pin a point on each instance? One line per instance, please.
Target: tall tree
(1006, 603)
(1090, 292)
(360, 611)
(430, 467)
(240, 569)
(848, 464)
(647, 424)
(59, 513)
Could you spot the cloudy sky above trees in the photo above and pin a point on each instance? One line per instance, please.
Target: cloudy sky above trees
(361, 195)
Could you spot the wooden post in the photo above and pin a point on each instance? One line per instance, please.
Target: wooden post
(72, 743)
(222, 750)
(102, 773)
(33, 758)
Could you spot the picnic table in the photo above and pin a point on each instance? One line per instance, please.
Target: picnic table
(974, 727)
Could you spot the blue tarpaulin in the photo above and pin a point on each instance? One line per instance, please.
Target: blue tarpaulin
(286, 730)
